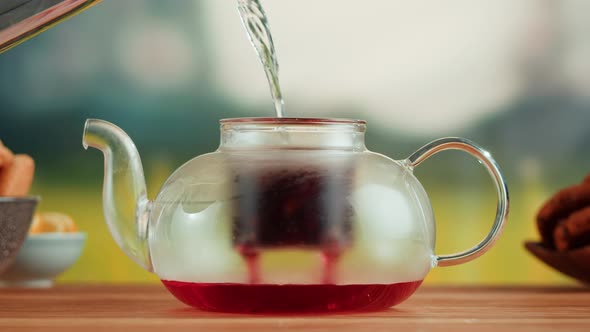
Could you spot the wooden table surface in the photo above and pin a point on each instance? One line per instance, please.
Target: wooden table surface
(150, 308)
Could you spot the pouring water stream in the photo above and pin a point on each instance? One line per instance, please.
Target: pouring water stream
(256, 24)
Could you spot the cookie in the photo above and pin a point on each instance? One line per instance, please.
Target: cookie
(559, 207)
(573, 232)
(51, 222)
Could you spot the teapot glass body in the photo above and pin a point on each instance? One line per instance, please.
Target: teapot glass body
(295, 215)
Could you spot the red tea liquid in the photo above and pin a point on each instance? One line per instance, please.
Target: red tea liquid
(268, 298)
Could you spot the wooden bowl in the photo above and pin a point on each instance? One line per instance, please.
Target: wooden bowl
(574, 263)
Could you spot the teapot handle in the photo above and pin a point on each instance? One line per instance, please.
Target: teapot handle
(484, 157)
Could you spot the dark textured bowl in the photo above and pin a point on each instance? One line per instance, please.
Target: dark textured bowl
(16, 215)
(574, 263)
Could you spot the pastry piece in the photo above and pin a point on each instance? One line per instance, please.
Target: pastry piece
(559, 208)
(6, 156)
(51, 222)
(16, 177)
(573, 232)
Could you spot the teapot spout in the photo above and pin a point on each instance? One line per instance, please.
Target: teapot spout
(125, 203)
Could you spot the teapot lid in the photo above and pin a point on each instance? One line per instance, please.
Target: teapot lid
(292, 133)
(293, 121)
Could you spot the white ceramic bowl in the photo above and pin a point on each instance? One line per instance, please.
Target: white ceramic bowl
(42, 258)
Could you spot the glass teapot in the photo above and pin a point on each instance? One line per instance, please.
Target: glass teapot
(287, 215)
(21, 20)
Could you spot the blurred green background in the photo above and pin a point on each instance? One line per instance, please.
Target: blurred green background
(514, 77)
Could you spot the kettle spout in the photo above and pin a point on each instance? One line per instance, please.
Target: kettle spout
(125, 203)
